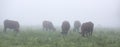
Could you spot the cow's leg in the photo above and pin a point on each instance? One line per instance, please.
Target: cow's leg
(74, 29)
(4, 29)
(53, 29)
(91, 33)
(17, 30)
(62, 32)
(88, 33)
(47, 29)
(83, 33)
(78, 30)
(66, 32)
(43, 29)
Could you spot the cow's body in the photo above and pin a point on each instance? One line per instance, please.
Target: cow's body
(11, 25)
(87, 28)
(77, 25)
(65, 27)
(47, 25)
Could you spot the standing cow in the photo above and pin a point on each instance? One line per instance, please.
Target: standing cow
(11, 25)
(77, 25)
(87, 28)
(47, 25)
(65, 27)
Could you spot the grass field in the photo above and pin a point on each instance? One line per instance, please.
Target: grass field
(38, 38)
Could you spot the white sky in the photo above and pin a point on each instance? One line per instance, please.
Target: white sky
(32, 12)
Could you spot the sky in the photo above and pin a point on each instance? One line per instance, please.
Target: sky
(105, 13)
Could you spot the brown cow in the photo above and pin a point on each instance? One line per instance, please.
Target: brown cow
(87, 28)
(47, 25)
(77, 25)
(11, 25)
(65, 27)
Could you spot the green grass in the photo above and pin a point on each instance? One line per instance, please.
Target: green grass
(38, 38)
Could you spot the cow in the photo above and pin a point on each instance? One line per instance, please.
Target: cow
(47, 25)
(10, 24)
(65, 27)
(87, 28)
(77, 25)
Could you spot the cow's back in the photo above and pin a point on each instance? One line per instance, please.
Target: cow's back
(87, 26)
(11, 24)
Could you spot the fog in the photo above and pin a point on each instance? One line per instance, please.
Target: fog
(104, 13)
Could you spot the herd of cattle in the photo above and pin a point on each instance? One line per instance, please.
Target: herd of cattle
(86, 28)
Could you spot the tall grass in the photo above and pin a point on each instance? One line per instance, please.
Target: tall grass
(31, 37)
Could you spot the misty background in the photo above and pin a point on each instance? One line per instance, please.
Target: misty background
(104, 13)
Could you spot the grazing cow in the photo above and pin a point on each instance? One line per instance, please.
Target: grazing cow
(11, 25)
(87, 28)
(77, 25)
(47, 25)
(65, 27)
